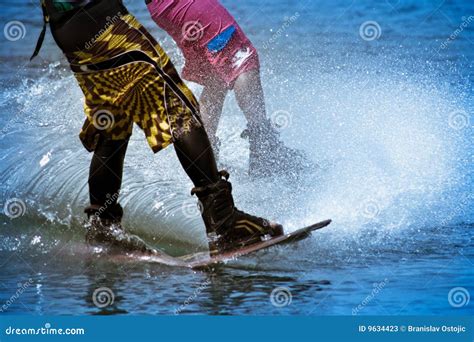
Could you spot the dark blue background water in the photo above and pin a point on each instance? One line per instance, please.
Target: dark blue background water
(387, 120)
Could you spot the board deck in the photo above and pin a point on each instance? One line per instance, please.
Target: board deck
(203, 259)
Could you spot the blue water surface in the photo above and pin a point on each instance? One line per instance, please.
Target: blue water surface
(379, 94)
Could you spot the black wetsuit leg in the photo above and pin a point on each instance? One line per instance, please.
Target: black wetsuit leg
(193, 149)
(195, 153)
(105, 177)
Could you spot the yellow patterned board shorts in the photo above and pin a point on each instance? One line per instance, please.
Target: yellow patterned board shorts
(127, 78)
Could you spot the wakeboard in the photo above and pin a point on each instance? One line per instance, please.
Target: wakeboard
(203, 259)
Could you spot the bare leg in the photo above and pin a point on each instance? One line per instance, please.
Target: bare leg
(211, 103)
(250, 97)
(267, 153)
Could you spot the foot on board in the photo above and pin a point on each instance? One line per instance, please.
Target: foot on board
(203, 260)
(109, 232)
(227, 227)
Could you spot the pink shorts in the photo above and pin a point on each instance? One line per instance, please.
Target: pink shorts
(215, 48)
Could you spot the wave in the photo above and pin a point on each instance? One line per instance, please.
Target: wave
(392, 149)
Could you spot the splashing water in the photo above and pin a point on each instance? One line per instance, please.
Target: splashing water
(386, 120)
(388, 156)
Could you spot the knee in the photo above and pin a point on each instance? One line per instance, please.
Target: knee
(106, 148)
(195, 134)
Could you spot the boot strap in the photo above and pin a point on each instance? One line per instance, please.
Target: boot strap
(203, 189)
(224, 174)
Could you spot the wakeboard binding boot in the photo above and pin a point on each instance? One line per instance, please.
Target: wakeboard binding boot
(227, 227)
(104, 228)
(269, 156)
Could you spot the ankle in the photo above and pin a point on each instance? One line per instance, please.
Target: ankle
(105, 213)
